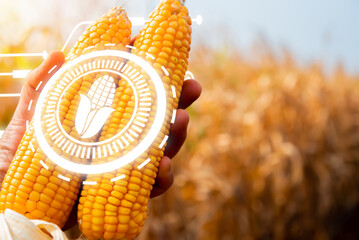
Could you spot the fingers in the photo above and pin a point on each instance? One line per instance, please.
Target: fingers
(29, 94)
(55, 58)
(178, 133)
(164, 178)
(35, 82)
(133, 40)
(191, 91)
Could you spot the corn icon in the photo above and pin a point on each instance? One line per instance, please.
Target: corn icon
(116, 206)
(38, 192)
(95, 108)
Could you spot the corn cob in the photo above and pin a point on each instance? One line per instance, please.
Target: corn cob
(28, 187)
(117, 210)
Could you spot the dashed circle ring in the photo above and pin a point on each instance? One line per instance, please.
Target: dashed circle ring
(49, 113)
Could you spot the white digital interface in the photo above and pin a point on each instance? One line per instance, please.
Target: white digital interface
(22, 73)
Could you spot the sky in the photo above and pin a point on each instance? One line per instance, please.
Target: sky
(312, 30)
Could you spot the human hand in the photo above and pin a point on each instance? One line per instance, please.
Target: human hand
(11, 138)
(15, 130)
(191, 91)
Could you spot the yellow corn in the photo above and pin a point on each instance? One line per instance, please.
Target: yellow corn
(28, 187)
(117, 210)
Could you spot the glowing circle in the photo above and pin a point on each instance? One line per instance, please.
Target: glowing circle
(133, 154)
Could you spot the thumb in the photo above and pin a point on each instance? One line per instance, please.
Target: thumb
(29, 95)
(35, 82)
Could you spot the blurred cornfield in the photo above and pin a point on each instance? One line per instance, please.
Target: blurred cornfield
(272, 150)
(272, 153)
(10, 85)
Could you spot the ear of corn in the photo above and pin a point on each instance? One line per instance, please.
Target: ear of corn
(109, 210)
(117, 210)
(112, 28)
(33, 190)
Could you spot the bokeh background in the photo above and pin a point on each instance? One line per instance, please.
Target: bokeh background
(273, 143)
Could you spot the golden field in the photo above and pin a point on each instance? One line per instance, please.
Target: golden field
(272, 152)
